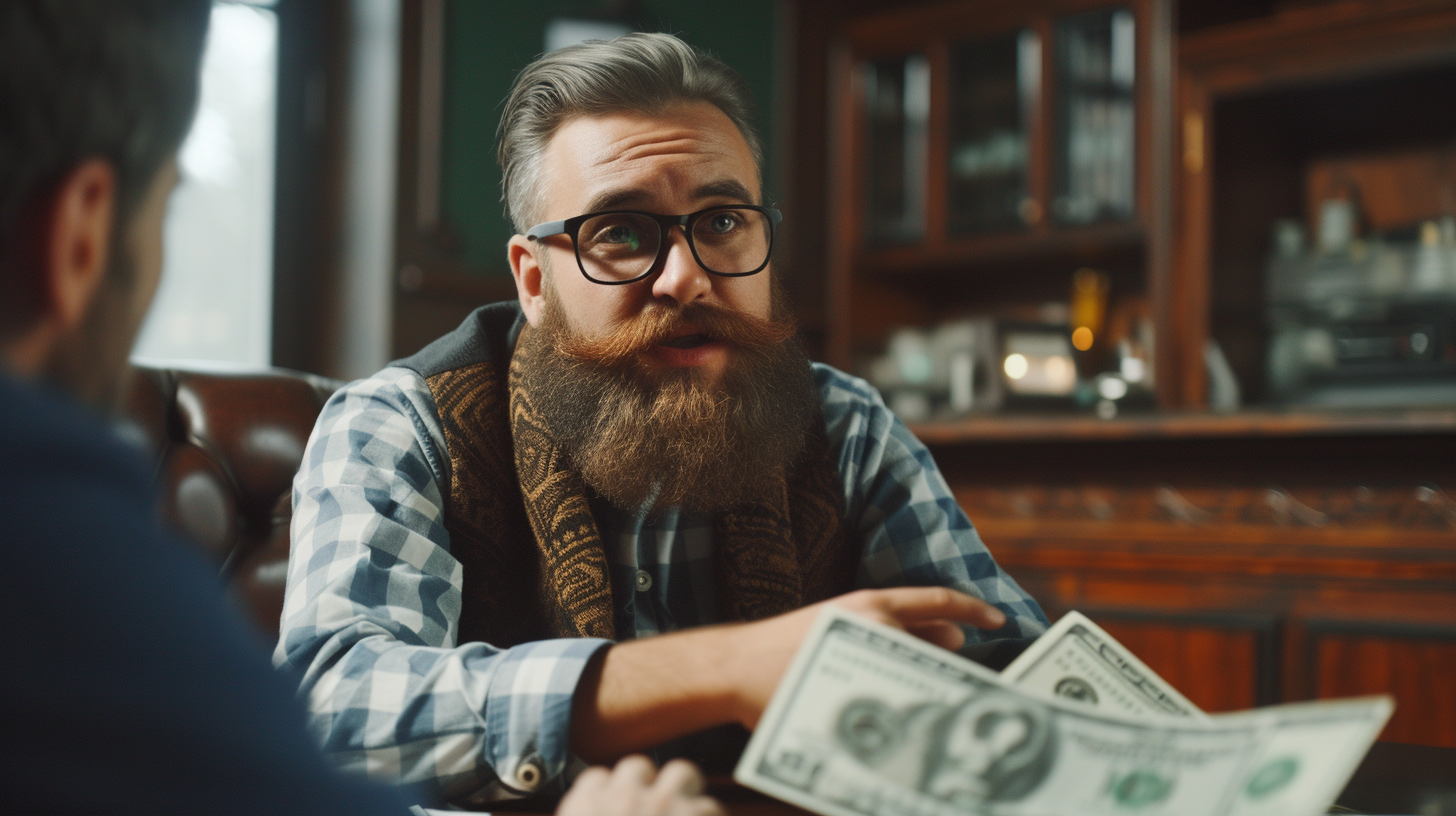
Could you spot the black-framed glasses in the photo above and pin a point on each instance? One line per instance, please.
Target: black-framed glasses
(614, 247)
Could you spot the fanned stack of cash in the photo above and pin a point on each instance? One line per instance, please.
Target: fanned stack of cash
(870, 721)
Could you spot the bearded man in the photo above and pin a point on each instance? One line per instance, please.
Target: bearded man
(486, 533)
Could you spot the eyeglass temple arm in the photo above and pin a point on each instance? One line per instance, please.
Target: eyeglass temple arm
(545, 230)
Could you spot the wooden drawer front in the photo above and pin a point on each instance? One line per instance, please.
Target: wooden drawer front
(1218, 669)
(1416, 665)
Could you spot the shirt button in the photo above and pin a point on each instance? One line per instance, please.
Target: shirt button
(644, 581)
(528, 775)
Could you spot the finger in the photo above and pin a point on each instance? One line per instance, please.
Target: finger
(592, 779)
(585, 792)
(907, 605)
(635, 771)
(944, 634)
(702, 806)
(679, 777)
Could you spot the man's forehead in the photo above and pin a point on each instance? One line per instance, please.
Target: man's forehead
(691, 149)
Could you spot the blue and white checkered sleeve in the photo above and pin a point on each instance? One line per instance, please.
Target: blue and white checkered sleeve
(914, 533)
(371, 614)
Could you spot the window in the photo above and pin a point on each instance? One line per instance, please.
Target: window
(216, 296)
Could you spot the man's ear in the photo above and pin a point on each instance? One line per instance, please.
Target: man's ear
(526, 269)
(77, 242)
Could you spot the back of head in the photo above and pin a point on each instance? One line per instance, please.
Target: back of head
(81, 79)
(635, 72)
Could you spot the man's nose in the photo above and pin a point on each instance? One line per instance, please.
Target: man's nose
(681, 278)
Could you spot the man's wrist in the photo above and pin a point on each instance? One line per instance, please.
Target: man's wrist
(634, 695)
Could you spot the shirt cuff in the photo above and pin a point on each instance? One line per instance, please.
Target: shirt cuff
(528, 712)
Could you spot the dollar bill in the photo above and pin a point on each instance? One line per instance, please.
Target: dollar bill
(869, 721)
(1076, 660)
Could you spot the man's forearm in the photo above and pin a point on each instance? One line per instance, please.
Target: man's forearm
(642, 693)
(645, 692)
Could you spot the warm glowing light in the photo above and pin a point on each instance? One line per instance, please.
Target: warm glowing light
(1015, 366)
(1060, 372)
(1082, 338)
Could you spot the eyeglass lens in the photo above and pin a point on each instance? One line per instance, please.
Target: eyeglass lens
(623, 246)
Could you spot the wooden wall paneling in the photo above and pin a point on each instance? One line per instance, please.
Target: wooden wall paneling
(881, 303)
(1158, 55)
(313, 52)
(937, 160)
(1416, 664)
(433, 288)
(845, 199)
(422, 45)
(895, 30)
(1397, 187)
(1183, 307)
(800, 252)
(1322, 41)
(1039, 164)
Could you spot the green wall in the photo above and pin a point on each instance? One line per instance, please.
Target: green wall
(488, 41)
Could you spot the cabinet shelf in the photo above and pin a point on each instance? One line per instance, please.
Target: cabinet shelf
(1072, 243)
(1186, 425)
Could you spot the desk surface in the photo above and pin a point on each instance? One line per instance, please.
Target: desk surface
(1393, 778)
(1399, 778)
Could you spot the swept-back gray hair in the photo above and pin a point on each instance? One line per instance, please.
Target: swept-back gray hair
(635, 72)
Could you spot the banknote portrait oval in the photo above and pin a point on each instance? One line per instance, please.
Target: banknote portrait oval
(1271, 777)
(1140, 789)
(995, 747)
(1076, 688)
(869, 729)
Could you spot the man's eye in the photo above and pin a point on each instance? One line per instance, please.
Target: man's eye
(620, 234)
(724, 222)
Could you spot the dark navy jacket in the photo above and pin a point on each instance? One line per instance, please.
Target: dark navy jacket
(127, 682)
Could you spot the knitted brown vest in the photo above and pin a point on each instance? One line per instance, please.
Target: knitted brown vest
(521, 528)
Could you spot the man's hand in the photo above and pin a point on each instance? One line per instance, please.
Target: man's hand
(636, 788)
(766, 647)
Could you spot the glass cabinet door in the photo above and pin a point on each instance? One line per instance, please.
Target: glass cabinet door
(994, 85)
(897, 107)
(1095, 157)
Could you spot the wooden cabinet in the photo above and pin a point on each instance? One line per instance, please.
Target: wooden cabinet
(969, 140)
(1246, 570)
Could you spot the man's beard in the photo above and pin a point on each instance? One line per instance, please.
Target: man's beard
(641, 435)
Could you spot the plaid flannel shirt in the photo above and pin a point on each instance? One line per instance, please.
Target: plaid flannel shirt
(373, 599)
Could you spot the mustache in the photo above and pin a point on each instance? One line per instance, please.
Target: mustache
(637, 335)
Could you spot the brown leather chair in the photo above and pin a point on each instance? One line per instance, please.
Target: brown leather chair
(226, 445)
